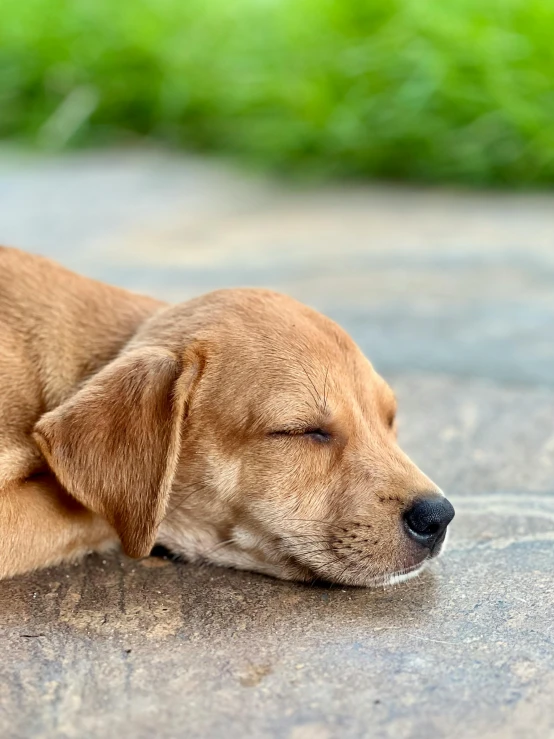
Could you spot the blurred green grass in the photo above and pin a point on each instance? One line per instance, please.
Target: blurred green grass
(429, 90)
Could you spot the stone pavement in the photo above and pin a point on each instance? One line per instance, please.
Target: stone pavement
(451, 294)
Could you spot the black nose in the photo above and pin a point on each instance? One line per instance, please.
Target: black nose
(427, 519)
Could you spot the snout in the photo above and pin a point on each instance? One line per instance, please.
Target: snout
(427, 520)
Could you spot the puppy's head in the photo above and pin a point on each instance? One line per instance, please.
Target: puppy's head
(246, 429)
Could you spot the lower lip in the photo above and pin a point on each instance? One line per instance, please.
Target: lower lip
(402, 577)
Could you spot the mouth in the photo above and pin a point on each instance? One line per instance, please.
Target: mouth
(403, 575)
(294, 568)
(290, 558)
(354, 571)
(373, 581)
(349, 577)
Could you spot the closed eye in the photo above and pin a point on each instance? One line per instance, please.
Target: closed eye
(315, 433)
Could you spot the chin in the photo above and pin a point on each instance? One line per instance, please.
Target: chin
(265, 556)
(356, 576)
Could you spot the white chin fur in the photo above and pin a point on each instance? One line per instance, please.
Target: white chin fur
(399, 577)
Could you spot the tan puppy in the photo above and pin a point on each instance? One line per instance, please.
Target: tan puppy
(241, 428)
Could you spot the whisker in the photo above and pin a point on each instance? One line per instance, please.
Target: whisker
(322, 548)
(334, 552)
(180, 504)
(342, 573)
(317, 400)
(325, 390)
(292, 537)
(314, 520)
(218, 546)
(311, 553)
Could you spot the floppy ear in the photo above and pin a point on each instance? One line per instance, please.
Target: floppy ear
(114, 445)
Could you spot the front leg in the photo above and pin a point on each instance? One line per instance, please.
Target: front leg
(41, 525)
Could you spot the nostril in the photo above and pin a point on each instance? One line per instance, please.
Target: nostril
(427, 520)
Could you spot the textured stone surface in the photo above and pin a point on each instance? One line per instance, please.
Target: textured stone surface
(452, 295)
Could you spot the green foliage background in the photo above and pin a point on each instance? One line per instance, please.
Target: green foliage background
(434, 90)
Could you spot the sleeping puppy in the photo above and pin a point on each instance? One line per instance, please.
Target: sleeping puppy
(240, 428)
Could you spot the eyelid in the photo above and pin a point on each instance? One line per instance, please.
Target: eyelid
(314, 431)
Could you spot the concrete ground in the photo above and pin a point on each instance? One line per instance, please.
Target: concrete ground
(452, 296)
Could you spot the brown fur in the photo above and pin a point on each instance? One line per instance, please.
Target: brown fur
(125, 419)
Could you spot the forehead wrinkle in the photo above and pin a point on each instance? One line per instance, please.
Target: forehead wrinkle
(304, 336)
(304, 361)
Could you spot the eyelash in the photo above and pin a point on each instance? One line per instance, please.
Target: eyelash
(316, 434)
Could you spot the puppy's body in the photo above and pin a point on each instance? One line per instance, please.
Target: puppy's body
(56, 329)
(241, 427)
